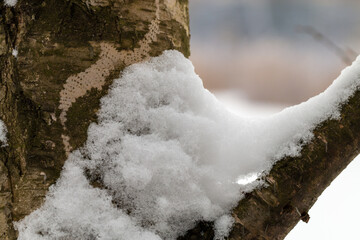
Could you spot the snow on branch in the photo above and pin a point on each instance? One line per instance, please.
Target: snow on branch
(3, 132)
(169, 155)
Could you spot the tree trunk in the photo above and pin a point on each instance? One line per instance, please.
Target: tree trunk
(69, 51)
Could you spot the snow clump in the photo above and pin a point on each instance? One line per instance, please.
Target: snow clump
(168, 155)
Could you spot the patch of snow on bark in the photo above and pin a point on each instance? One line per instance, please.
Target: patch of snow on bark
(15, 52)
(3, 132)
(222, 226)
(10, 3)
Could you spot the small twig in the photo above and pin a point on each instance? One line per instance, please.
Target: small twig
(304, 216)
(267, 225)
(297, 210)
(323, 139)
(346, 55)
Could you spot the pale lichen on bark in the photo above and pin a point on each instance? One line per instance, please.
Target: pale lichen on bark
(178, 13)
(101, 3)
(94, 77)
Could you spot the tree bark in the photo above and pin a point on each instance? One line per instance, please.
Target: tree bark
(69, 51)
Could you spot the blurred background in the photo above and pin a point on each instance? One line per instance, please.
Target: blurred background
(260, 56)
(283, 51)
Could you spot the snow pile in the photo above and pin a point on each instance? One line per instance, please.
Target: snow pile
(3, 132)
(10, 3)
(169, 155)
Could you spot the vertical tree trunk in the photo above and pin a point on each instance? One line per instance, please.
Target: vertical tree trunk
(69, 51)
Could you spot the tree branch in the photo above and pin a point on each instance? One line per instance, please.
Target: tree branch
(295, 183)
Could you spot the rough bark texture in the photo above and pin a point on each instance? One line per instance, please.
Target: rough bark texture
(294, 183)
(68, 53)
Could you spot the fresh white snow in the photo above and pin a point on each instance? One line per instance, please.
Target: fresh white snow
(222, 226)
(10, 3)
(238, 103)
(75, 209)
(169, 155)
(15, 52)
(3, 132)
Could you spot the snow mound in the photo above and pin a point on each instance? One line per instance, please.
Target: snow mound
(169, 154)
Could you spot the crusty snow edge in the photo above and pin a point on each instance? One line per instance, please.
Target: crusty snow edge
(169, 155)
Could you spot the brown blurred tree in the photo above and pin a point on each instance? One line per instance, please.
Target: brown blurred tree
(58, 58)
